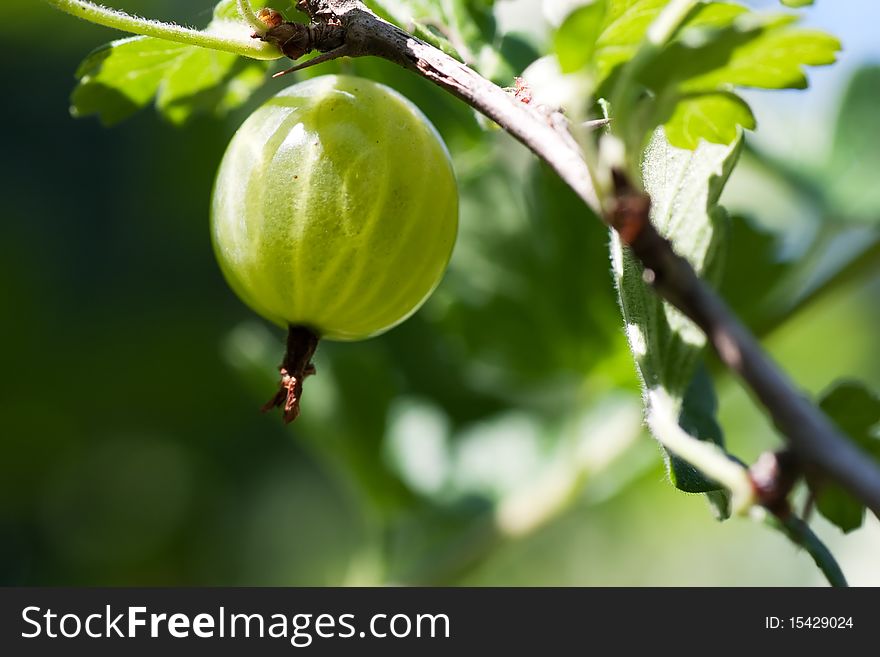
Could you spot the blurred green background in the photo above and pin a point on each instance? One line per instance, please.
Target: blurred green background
(493, 439)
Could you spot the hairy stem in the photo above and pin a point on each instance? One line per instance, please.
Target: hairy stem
(708, 458)
(247, 13)
(230, 39)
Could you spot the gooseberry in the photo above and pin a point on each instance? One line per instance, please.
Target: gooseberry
(334, 212)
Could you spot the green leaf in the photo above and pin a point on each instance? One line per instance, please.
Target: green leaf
(719, 503)
(753, 268)
(840, 508)
(694, 76)
(716, 15)
(725, 42)
(625, 23)
(720, 46)
(856, 411)
(624, 27)
(684, 187)
(575, 41)
(773, 58)
(698, 410)
(796, 3)
(715, 117)
(850, 175)
(228, 9)
(124, 76)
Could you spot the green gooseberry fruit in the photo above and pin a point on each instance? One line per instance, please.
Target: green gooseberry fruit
(334, 213)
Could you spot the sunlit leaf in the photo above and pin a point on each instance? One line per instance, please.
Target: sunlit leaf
(720, 47)
(625, 24)
(774, 59)
(575, 41)
(715, 117)
(694, 76)
(124, 76)
(684, 186)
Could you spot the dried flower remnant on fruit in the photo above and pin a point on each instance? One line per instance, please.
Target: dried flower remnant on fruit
(296, 366)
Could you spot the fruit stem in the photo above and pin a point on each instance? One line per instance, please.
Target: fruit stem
(296, 366)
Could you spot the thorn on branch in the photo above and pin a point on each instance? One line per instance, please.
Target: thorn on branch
(342, 51)
(596, 123)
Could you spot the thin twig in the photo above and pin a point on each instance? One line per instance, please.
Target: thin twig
(808, 431)
(800, 534)
(341, 51)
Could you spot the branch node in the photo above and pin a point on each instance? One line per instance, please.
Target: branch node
(773, 477)
(630, 212)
